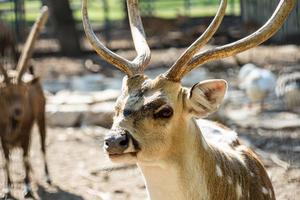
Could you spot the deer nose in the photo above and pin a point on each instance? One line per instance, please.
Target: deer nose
(116, 144)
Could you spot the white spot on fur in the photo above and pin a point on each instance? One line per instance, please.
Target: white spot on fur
(154, 96)
(229, 180)
(238, 190)
(264, 190)
(251, 174)
(216, 134)
(220, 138)
(219, 171)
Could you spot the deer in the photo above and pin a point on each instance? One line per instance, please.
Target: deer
(158, 123)
(22, 103)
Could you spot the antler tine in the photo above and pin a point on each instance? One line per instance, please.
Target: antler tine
(114, 59)
(265, 32)
(178, 69)
(139, 38)
(143, 52)
(3, 71)
(28, 47)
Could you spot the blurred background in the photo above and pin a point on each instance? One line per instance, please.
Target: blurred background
(81, 88)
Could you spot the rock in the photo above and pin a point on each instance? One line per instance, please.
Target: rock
(55, 86)
(267, 120)
(90, 82)
(106, 95)
(68, 97)
(68, 108)
(86, 83)
(113, 83)
(65, 115)
(100, 114)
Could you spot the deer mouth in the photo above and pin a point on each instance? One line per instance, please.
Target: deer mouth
(132, 149)
(128, 155)
(124, 158)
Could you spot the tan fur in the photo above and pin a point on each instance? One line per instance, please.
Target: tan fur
(155, 122)
(177, 160)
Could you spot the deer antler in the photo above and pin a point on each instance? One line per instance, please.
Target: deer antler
(3, 71)
(28, 47)
(143, 52)
(202, 40)
(179, 69)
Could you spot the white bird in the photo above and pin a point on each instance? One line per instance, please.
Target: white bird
(258, 83)
(288, 88)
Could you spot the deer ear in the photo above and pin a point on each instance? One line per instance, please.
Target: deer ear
(205, 97)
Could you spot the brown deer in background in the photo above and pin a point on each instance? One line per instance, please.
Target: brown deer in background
(22, 102)
(155, 122)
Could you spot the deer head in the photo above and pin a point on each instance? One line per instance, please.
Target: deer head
(14, 91)
(151, 116)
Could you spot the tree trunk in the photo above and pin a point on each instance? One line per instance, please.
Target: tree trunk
(64, 26)
(19, 10)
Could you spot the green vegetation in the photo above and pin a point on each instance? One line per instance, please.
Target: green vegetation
(161, 8)
(171, 9)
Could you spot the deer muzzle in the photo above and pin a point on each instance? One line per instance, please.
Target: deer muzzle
(116, 144)
(119, 142)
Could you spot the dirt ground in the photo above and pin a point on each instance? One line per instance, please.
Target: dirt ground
(80, 170)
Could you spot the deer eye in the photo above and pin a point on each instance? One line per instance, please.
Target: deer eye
(163, 112)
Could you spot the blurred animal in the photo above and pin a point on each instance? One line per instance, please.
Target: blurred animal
(258, 83)
(288, 87)
(7, 44)
(22, 102)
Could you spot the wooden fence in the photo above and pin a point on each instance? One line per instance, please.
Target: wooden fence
(259, 11)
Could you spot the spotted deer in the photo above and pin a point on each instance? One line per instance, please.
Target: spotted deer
(22, 102)
(156, 121)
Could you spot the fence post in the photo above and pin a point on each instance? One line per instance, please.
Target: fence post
(19, 19)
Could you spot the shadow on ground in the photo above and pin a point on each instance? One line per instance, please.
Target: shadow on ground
(283, 143)
(56, 193)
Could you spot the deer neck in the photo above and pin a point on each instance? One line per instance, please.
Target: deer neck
(183, 173)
